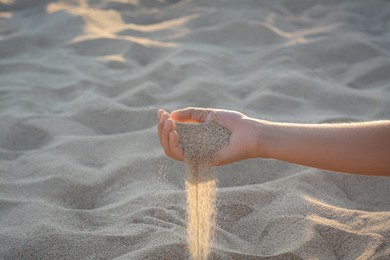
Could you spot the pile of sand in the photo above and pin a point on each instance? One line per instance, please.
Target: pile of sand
(201, 141)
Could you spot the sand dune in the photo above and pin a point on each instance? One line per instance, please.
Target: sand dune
(83, 176)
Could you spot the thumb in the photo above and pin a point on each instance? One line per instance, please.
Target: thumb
(191, 114)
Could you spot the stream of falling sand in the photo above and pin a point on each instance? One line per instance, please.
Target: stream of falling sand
(199, 143)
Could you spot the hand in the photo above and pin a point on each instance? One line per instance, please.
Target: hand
(360, 148)
(243, 142)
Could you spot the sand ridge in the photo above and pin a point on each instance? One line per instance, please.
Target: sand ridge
(80, 84)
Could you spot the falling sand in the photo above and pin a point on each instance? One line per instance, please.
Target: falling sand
(200, 142)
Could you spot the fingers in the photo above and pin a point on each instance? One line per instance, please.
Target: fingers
(168, 137)
(159, 113)
(174, 146)
(168, 126)
(191, 114)
(162, 117)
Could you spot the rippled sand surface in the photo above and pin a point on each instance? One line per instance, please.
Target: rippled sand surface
(83, 176)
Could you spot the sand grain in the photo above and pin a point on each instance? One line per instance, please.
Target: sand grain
(200, 142)
(80, 84)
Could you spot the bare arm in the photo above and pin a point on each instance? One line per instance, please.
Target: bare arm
(360, 148)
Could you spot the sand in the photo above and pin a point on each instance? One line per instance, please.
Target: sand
(200, 142)
(82, 173)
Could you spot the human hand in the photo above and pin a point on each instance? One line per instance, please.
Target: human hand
(360, 148)
(243, 142)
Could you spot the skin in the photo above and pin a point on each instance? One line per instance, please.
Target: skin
(358, 148)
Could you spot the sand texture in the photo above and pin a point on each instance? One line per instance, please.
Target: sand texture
(200, 142)
(83, 175)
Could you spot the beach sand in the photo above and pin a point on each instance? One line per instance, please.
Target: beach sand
(82, 173)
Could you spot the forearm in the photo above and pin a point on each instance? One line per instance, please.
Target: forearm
(361, 148)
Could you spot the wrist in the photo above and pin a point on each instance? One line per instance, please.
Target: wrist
(264, 131)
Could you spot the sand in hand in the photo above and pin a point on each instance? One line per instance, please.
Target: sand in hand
(200, 142)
